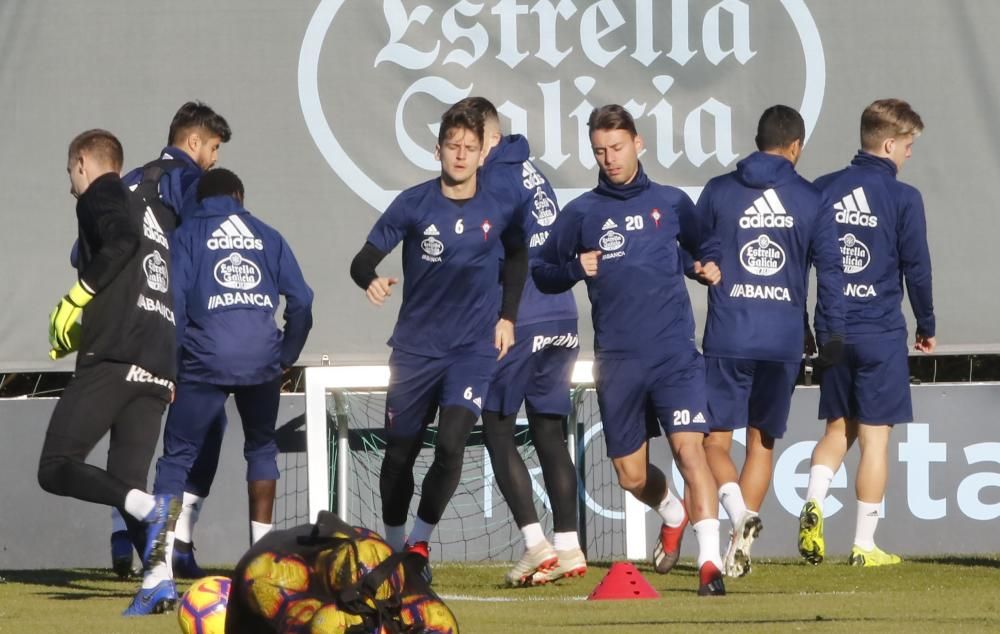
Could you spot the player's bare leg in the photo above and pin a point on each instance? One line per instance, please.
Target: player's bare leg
(733, 491)
(826, 460)
(703, 502)
(649, 485)
(261, 495)
(755, 479)
(873, 473)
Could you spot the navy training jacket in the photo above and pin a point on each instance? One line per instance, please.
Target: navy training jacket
(883, 243)
(770, 225)
(229, 269)
(511, 177)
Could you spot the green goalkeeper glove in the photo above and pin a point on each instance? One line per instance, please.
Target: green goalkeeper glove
(64, 333)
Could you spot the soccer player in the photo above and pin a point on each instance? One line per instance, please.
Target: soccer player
(771, 226)
(622, 238)
(535, 372)
(883, 241)
(126, 363)
(194, 137)
(453, 321)
(230, 271)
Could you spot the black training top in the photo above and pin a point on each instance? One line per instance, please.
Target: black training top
(125, 261)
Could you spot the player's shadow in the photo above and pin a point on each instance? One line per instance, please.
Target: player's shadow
(76, 584)
(974, 561)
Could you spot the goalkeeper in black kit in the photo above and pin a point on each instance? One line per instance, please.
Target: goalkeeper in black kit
(126, 363)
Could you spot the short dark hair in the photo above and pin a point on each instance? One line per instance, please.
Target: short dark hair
(461, 116)
(482, 105)
(779, 127)
(195, 114)
(220, 182)
(612, 117)
(101, 145)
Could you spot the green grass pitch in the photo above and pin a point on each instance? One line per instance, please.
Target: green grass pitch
(934, 594)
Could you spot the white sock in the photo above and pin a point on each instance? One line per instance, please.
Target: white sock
(566, 541)
(864, 529)
(533, 535)
(190, 509)
(671, 510)
(169, 556)
(163, 571)
(731, 498)
(707, 532)
(139, 504)
(421, 531)
(117, 521)
(258, 530)
(395, 536)
(820, 477)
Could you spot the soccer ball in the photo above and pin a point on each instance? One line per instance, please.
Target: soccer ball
(298, 614)
(273, 580)
(432, 613)
(330, 620)
(203, 608)
(346, 565)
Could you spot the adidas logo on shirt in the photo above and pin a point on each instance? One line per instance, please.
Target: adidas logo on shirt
(609, 224)
(431, 231)
(853, 209)
(152, 229)
(766, 212)
(234, 234)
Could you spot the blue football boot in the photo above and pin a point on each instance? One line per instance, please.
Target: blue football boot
(121, 554)
(184, 565)
(167, 508)
(160, 598)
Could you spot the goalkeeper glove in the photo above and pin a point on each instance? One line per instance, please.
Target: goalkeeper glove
(830, 353)
(64, 333)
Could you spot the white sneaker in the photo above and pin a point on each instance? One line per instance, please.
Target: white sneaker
(572, 563)
(541, 558)
(737, 563)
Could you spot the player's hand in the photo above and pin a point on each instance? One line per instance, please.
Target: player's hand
(64, 331)
(380, 289)
(810, 342)
(503, 337)
(925, 344)
(589, 260)
(830, 353)
(708, 274)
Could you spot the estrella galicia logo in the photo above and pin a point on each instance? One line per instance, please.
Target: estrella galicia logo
(432, 246)
(684, 64)
(155, 268)
(855, 254)
(544, 210)
(237, 272)
(762, 256)
(612, 241)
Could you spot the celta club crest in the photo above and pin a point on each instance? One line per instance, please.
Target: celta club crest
(656, 215)
(486, 228)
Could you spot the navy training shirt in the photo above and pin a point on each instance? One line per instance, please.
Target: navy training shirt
(515, 181)
(178, 186)
(883, 241)
(452, 255)
(770, 226)
(639, 302)
(229, 269)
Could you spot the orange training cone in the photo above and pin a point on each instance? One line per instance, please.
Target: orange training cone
(623, 581)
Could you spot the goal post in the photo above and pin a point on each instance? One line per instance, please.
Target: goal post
(329, 391)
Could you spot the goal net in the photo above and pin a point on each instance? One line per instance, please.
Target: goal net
(345, 441)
